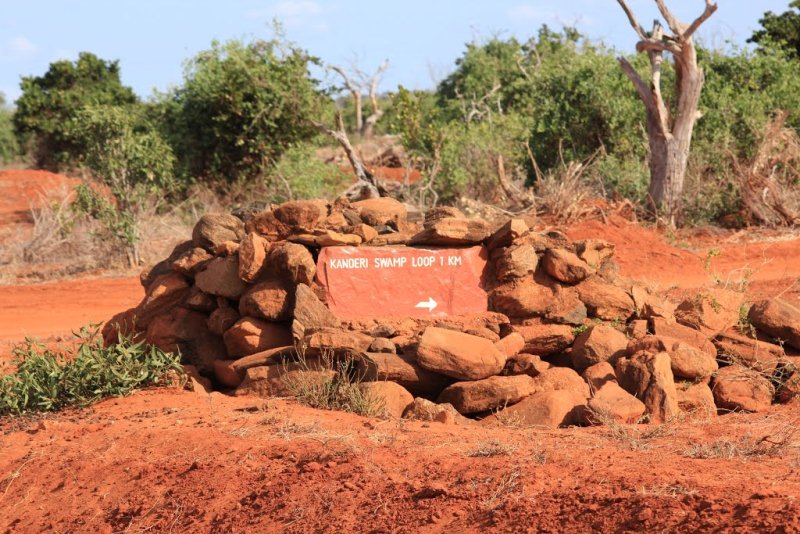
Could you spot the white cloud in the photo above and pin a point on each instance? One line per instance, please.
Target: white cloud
(17, 48)
(294, 14)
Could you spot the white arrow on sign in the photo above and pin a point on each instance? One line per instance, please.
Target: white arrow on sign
(430, 304)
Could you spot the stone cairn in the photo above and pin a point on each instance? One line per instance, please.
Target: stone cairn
(566, 341)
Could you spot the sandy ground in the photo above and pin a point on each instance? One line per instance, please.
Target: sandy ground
(172, 460)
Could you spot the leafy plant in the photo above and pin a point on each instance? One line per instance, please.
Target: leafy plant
(9, 148)
(83, 373)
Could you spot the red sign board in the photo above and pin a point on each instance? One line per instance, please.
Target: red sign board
(364, 282)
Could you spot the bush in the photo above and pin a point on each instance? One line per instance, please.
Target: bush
(243, 105)
(9, 148)
(300, 174)
(47, 380)
(43, 119)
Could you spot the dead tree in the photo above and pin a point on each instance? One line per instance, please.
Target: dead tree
(369, 124)
(357, 82)
(669, 135)
(367, 184)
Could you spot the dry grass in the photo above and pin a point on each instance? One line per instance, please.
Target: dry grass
(503, 488)
(491, 448)
(563, 192)
(774, 444)
(637, 436)
(667, 490)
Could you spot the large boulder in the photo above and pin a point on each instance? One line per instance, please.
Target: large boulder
(517, 261)
(741, 389)
(310, 313)
(285, 379)
(248, 336)
(545, 339)
(547, 409)
(668, 328)
(292, 262)
(268, 300)
(611, 401)
(213, 229)
(777, 318)
(252, 256)
(487, 394)
(458, 355)
(452, 231)
(400, 368)
(163, 294)
(221, 277)
(561, 379)
(599, 343)
(696, 399)
(711, 311)
(604, 300)
(565, 266)
(748, 352)
(184, 332)
(511, 345)
(302, 215)
(521, 298)
(649, 378)
(598, 375)
(687, 361)
(383, 211)
(191, 261)
(386, 398)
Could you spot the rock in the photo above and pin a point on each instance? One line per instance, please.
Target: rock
(748, 352)
(599, 343)
(686, 360)
(329, 238)
(336, 221)
(268, 300)
(222, 319)
(221, 277)
(548, 409)
(481, 332)
(452, 232)
(199, 301)
(777, 318)
(511, 345)
(364, 231)
(637, 329)
(149, 275)
(696, 398)
(789, 387)
(521, 298)
(302, 215)
(526, 364)
(292, 262)
(215, 228)
(382, 211)
(711, 311)
(338, 341)
(163, 294)
(227, 248)
(425, 410)
(516, 262)
(310, 313)
(695, 338)
(565, 266)
(566, 307)
(388, 398)
(249, 336)
(226, 374)
(184, 331)
(649, 305)
(649, 378)
(487, 394)
(400, 368)
(195, 382)
(191, 261)
(741, 389)
(381, 344)
(595, 252)
(284, 380)
(611, 401)
(120, 325)
(598, 375)
(458, 355)
(605, 301)
(268, 226)
(545, 339)
(434, 215)
(507, 234)
(561, 378)
(252, 256)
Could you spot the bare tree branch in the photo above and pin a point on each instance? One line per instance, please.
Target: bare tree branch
(372, 83)
(659, 45)
(709, 10)
(674, 24)
(632, 19)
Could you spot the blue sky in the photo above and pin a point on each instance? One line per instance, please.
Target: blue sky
(421, 38)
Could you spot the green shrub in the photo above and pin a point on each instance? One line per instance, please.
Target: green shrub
(300, 174)
(48, 380)
(43, 118)
(242, 105)
(9, 148)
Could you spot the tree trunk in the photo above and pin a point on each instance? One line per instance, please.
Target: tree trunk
(359, 116)
(668, 160)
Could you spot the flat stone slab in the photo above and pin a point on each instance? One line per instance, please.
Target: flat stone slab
(366, 282)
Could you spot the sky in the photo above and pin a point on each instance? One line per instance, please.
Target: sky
(422, 39)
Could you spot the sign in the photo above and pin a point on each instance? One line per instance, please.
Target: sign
(364, 282)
